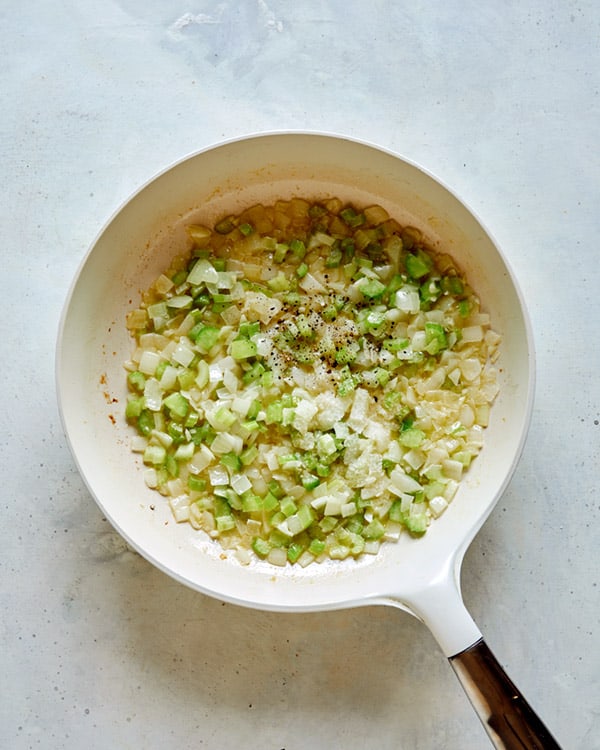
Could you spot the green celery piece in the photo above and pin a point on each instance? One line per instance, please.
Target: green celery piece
(387, 465)
(417, 525)
(160, 368)
(351, 217)
(154, 454)
(202, 434)
(204, 336)
(294, 551)
(254, 373)
(396, 513)
(179, 277)
(232, 462)
(270, 502)
(316, 547)
(260, 546)
(275, 489)
(435, 338)
(137, 381)
(418, 264)
(145, 422)
(279, 283)
(176, 431)
(305, 329)
(329, 313)
(334, 259)
(288, 506)
(280, 252)
(134, 408)
(225, 225)
(172, 466)
(395, 345)
(254, 409)
(196, 484)
(305, 515)
(278, 539)
(247, 330)
(201, 299)
(346, 354)
(411, 438)
(382, 375)
(186, 379)
(246, 229)
(355, 524)
(224, 418)
(430, 291)
(347, 386)
(225, 523)
(464, 308)
(452, 285)
(328, 523)
(298, 249)
(177, 405)
(251, 503)
(274, 413)
(221, 507)
(374, 530)
(317, 211)
(248, 456)
(372, 289)
(309, 481)
(348, 248)
(243, 349)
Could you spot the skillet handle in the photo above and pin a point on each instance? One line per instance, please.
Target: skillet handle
(507, 717)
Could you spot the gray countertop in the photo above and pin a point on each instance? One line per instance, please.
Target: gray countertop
(501, 101)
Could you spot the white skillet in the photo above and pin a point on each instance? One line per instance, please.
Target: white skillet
(420, 576)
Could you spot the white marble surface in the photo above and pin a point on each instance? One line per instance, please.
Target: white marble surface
(501, 100)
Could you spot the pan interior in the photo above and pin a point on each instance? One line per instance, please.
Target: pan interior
(137, 245)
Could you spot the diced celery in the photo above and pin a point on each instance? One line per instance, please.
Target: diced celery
(316, 547)
(309, 481)
(374, 530)
(435, 338)
(134, 407)
(418, 264)
(261, 546)
(294, 551)
(251, 503)
(288, 506)
(243, 349)
(137, 381)
(372, 288)
(274, 412)
(154, 454)
(225, 225)
(285, 375)
(196, 484)
(232, 461)
(411, 437)
(249, 455)
(225, 523)
(416, 524)
(177, 405)
(269, 502)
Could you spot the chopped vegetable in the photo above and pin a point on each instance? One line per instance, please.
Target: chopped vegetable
(311, 381)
